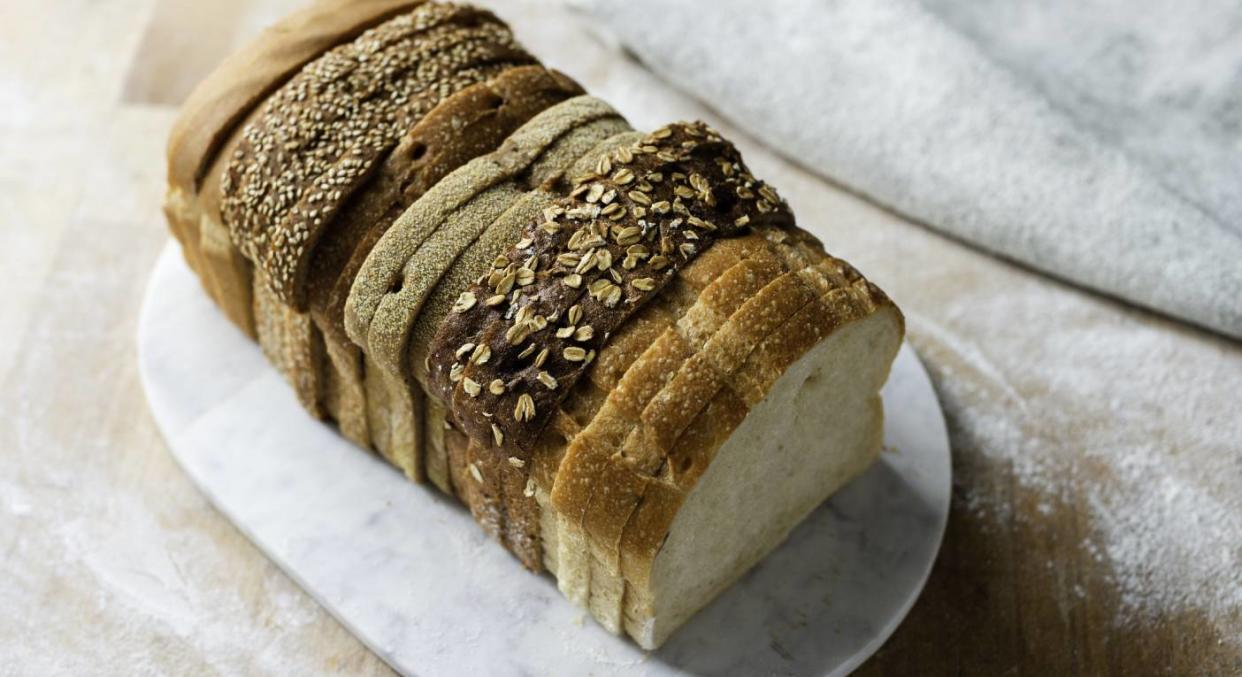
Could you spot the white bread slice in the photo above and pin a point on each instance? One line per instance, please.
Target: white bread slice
(819, 426)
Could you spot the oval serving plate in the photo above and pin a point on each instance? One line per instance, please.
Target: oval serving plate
(412, 576)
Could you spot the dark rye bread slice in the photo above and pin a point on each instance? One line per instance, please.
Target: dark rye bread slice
(501, 494)
(545, 181)
(324, 132)
(575, 277)
(553, 181)
(548, 179)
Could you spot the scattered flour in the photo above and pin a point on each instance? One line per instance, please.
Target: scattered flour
(1140, 422)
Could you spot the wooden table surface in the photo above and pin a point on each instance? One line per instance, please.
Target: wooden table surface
(1096, 447)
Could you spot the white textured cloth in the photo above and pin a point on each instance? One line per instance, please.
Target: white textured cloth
(1100, 142)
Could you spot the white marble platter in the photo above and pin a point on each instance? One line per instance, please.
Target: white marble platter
(412, 576)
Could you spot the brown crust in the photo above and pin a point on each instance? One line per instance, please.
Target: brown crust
(243, 80)
(324, 133)
(693, 189)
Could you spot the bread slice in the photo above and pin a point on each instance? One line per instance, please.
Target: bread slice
(292, 345)
(820, 425)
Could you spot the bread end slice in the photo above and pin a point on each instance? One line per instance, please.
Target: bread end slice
(819, 426)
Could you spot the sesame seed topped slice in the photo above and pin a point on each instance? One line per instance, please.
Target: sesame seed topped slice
(321, 136)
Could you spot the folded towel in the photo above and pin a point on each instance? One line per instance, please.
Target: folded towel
(1099, 142)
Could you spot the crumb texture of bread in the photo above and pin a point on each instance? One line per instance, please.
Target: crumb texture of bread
(820, 426)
